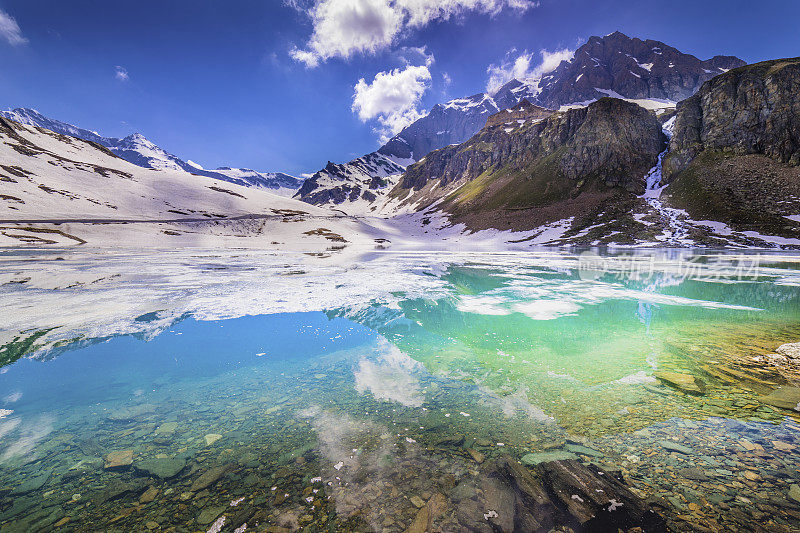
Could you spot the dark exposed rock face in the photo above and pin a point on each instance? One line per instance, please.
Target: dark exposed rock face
(750, 110)
(631, 67)
(522, 111)
(613, 140)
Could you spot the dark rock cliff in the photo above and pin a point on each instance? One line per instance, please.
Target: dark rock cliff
(753, 109)
(735, 152)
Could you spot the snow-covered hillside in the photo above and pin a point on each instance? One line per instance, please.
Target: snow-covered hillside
(61, 189)
(140, 151)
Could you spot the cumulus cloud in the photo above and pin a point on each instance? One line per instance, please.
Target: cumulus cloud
(523, 66)
(392, 98)
(121, 73)
(346, 27)
(9, 30)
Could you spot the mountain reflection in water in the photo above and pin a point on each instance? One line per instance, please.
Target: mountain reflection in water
(387, 392)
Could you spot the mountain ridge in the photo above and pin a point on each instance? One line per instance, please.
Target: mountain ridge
(665, 73)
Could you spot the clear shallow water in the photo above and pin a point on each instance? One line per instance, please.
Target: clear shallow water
(355, 393)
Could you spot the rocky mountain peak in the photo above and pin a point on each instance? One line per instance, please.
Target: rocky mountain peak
(630, 67)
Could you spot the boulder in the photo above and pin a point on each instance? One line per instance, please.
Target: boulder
(554, 495)
(790, 350)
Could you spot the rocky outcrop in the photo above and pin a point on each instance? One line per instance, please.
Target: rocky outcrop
(734, 156)
(750, 110)
(522, 111)
(612, 141)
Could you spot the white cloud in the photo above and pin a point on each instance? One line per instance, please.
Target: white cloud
(392, 376)
(121, 73)
(9, 30)
(392, 98)
(521, 68)
(346, 27)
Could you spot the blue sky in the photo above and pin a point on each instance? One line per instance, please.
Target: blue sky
(270, 85)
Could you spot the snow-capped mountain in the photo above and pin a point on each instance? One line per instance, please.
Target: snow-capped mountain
(352, 187)
(137, 149)
(615, 65)
(631, 67)
(448, 123)
(277, 182)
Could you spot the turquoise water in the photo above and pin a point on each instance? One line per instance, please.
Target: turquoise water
(208, 391)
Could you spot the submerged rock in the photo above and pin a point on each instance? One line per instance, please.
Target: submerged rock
(794, 493)
(533, 459)
(161, 468)
(675, 447)
(583, 450)
(209, 477)
(149, 495)
(166, 429)
(421, 521)
(32, 483)
(790, 350)
(210, 514)
(598, 500)
(684, 382)
(784, 397)
(449, 440)
(211, 438)
(117, 489)
(555, 495)
(119, 460)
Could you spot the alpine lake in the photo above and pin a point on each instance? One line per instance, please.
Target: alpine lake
(208, 391)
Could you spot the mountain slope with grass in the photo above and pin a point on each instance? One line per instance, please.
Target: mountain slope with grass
(539, 171)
